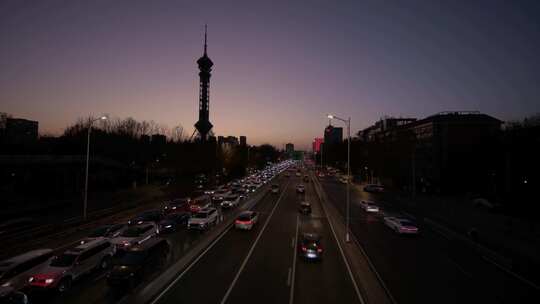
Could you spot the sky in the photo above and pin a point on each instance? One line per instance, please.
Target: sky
(279, 66)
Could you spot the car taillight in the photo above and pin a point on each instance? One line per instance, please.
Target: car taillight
(304, 249)
(243, 222)
(319, 250)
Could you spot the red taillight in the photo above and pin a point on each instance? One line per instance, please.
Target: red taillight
(243, 222)
(304, 249)
(319, 250)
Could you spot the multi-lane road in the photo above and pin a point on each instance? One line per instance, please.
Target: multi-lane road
(262, 266)
(428, 268)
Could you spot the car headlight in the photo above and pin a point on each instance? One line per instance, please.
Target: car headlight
(6, 284)
(49, 281)
(168, 226)
(174, 208)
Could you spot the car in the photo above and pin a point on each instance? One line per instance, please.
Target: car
(321, 175)
(220, 195)
(203, 219)
(172, 222)
(298, 174)
(177, 205)
(246, 220)
(369, 206)
(287, 174)
(241, 192)
(300, 188)
(138, 263)
(62, 270)
(154, 215)
(275, 188)
(9, 295)
(343, 180)
(230, 201)
(306, 178)
(374, 188)
(135, 235)
(15, 271)
(304, 208)
(401, 225)
(210, 191)
(309, 246)
(199, 203)
(110, 231)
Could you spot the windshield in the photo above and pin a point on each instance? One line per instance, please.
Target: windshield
(64, 260)
(132, 232)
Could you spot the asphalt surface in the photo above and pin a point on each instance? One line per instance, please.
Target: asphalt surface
(259, 266)
(427, 268)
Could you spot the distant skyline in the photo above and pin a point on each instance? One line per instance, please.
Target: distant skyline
(279, 66)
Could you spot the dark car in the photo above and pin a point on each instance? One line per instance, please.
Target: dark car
(309, 246)
(173, 222)
(147, 216)
(107, 231)
(138, 263)
(305, 208)
(177, 205)
(10, 296)
(306, 178)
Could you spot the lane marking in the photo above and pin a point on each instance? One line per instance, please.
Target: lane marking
(289, 277)
(466, 273)
(226, 296)
(214, 242)
(356, 289)
(291, 295)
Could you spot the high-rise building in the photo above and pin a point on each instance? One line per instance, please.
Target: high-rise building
(289, 148)
(17, 130)
(333, 135)
(317, 144)
(204, 126)
(243, 141)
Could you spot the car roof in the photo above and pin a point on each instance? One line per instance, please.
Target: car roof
(206, 210)
(247, 212)
(86, 243)
(147, 244)
(21, 258)
(311, 236)
(305, 204)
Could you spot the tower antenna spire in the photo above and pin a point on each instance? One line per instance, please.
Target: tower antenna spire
(205, 29)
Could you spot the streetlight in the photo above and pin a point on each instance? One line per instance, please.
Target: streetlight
(87, 162)
(347, 217)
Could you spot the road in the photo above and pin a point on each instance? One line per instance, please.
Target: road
(260, 265)
(427, 268)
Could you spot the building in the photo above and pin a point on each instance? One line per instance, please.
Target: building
(317, 142)
(383, 126)
(289, 148)
(17, 131)
(228, 140)
(203, 125)
(243, 141)
(333, 135)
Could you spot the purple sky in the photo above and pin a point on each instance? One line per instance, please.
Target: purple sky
(280, 66)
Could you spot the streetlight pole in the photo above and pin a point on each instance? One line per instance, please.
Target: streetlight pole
(85, 205)
(348, 210)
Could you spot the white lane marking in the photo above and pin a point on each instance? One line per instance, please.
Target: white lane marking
(291, 295)
(190, 265)
(506, 270)
(226, 296)
(289, 277)
(356, 289)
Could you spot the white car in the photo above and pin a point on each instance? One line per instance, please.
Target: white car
(246, 220)
(203, 219)
(230, 201)
(369, 206)
(401, 225)
(135, 235)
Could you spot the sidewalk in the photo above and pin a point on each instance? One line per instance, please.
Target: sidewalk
(513, 238)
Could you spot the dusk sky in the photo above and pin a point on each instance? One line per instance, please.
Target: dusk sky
(279, 66)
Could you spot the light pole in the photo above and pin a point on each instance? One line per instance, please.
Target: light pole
(348, 212)
(87, 164)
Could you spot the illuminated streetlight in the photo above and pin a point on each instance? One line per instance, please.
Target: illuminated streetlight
(87, 164)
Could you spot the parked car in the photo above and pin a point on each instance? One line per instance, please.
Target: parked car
(15, 271)
(246, 220)
(374, 188)
(135, 235)
(146, 216)
(401, 225)
(62, 270)
(230, 201)
(309, 246)
(138, 263)
(304, 208)
(369, 206)
(177, 205)
(275, 188)
(173, 222)
(203, 219)
(300, 188)
(9, 295)
(110, 231)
